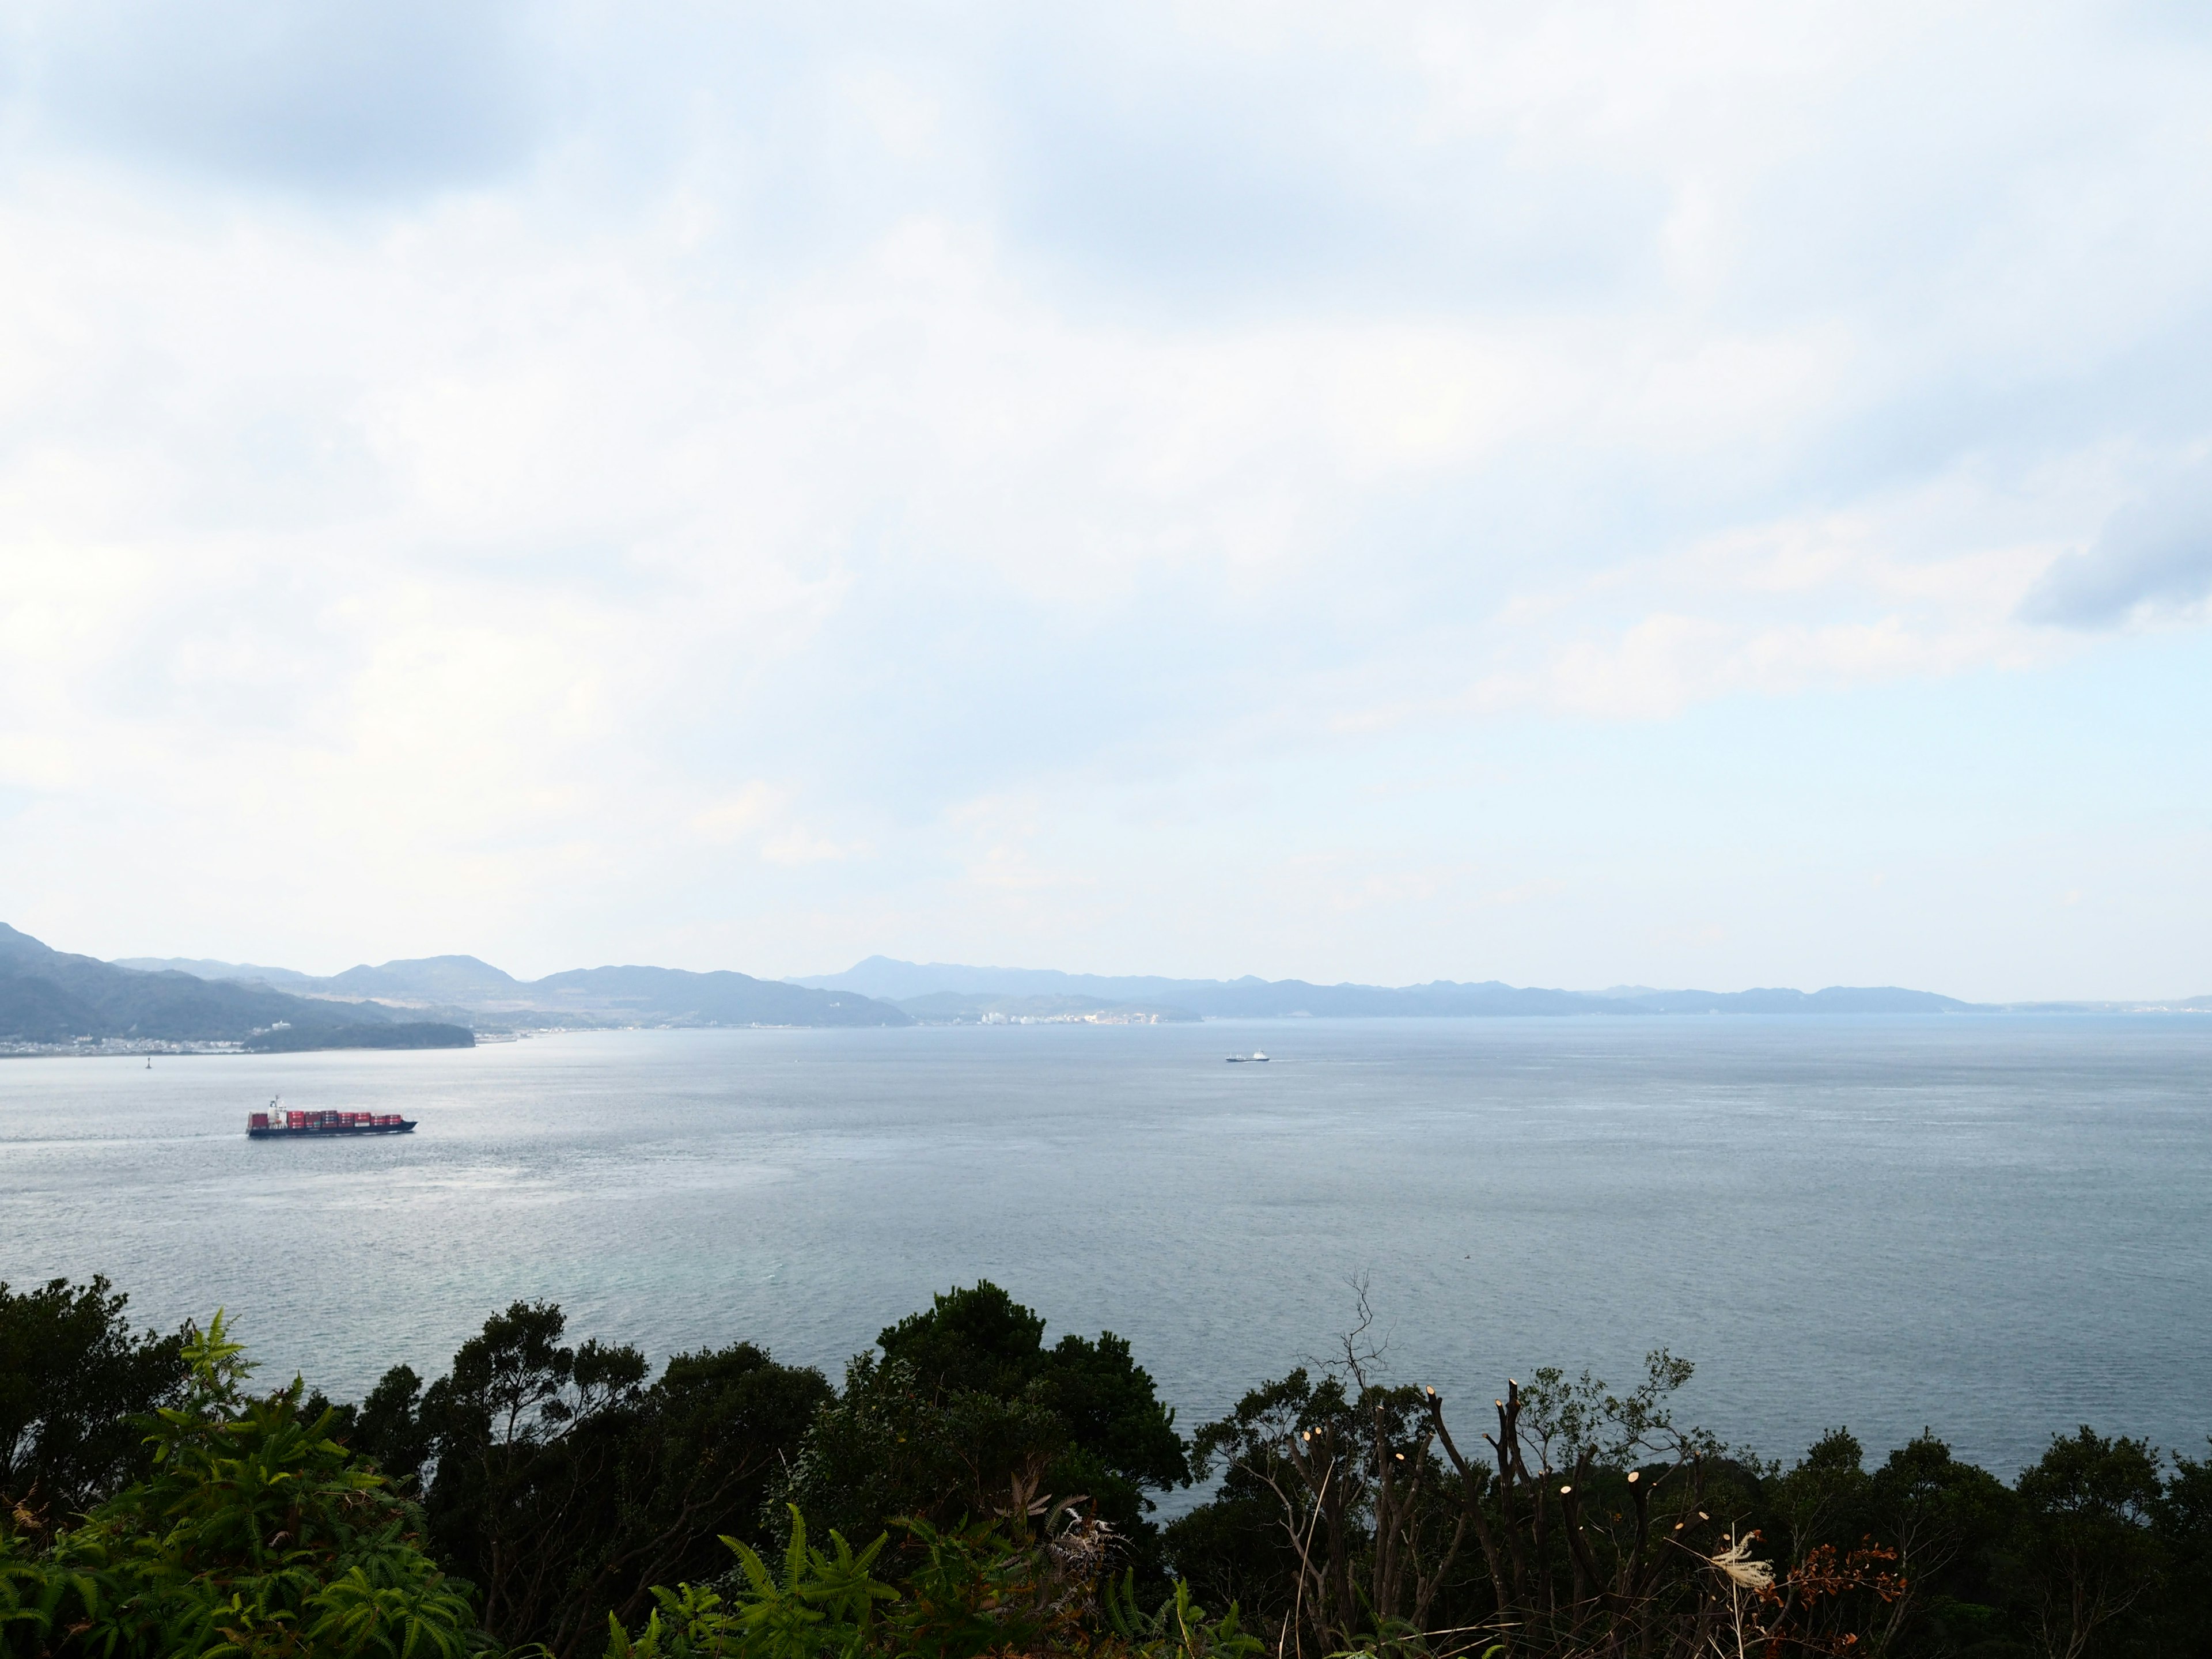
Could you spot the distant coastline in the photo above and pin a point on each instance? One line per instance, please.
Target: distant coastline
(54, 1003)
(407, 1034)
(930, 990)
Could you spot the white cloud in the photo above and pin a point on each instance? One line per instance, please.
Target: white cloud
(902, 454)
(2154, 559)
(798, 845)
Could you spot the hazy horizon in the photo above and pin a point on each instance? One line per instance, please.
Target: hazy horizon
(1700, 496)
(1616, 987)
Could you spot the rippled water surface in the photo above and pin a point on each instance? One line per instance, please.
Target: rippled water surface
(1993, 1225)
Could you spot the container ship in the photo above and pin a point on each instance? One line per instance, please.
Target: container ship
(275, 1125)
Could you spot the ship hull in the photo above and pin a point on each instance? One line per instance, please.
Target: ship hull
(407, 1128)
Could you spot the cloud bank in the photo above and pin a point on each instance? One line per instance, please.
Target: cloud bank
(1193, 490)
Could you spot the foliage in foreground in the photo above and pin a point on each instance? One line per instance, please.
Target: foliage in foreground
(986, 1587)
(564, 1486)
(255, 1534)
(574, 1509)
(73, 1380)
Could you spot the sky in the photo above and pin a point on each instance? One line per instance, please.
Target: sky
(1712, 495)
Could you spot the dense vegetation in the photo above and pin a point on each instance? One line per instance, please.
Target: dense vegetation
(971, 1489)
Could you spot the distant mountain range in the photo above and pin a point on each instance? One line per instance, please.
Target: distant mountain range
(473, 991)
(961, 1008)
(913, 985)
(49, 997)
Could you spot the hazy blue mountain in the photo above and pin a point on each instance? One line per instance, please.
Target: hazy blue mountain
(1836, 999)
(462, 980)
(284, 979)
(1248, 998)
(1258, 998)
(51, 996)
(458, 985)
(883, 991)
(672, 996)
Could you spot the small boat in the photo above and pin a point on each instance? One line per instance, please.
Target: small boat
(1247, 1059)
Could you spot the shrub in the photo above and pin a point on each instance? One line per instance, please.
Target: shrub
(255, 1534)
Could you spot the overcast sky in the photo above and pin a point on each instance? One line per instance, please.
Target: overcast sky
(1692, 494)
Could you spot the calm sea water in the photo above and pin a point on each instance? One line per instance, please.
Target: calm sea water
(1994, 1226)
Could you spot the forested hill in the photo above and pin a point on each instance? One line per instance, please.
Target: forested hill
(674, 996)
(52, 996)
(1258, 998)
(444, 986)
(882, 990)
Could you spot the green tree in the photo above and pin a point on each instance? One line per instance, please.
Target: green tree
(1348, 1516)
(74, 1382)
(966, 1412)
(565, 1487)
(255, 1534)
(712, 1437)
(888, 1446)
(1947, 1520)
(1251, 1543)
(1827, 1496)
(2085, 1551)
(521, 1437)
(388, 1426)
(981, 1340)
(2183, 1525)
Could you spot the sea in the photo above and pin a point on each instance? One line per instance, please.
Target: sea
(1993, 1227)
